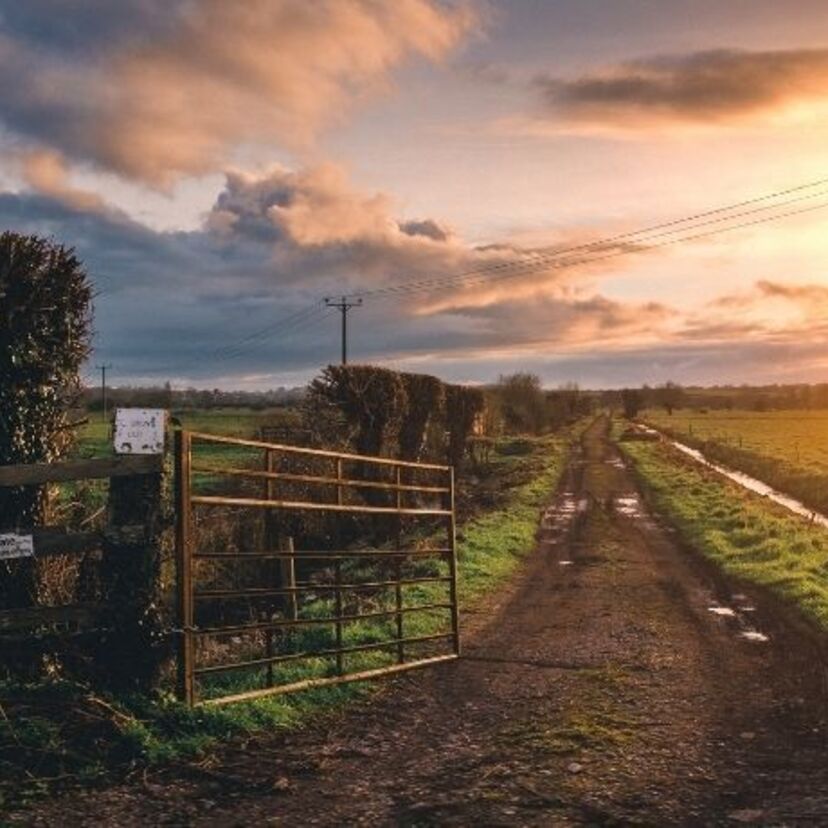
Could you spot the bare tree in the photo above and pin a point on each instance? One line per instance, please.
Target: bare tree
(632, 399)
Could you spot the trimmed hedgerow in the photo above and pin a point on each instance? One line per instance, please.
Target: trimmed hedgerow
(378, 411)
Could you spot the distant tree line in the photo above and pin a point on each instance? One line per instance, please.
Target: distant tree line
(672, 396)
(164, 396)
(758, 397)
(518, 404)
(669, 396)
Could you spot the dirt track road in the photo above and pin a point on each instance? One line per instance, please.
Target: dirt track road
(597, 689)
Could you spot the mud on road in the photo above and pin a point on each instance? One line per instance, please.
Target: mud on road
(597, 688)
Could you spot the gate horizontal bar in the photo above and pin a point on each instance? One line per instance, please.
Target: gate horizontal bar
(354, 648)
(28, 617)
(56, 540)
(320, 554)
(125, 465)
(211, 500)
(326, 481)
(256, 592)
(362, 458)
(306, 684)
(241, 629)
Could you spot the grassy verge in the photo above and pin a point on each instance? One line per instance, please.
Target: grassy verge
(491, 545)
(56, 733)
(746, 535)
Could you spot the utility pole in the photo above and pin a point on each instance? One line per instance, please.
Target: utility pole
(103, 369)
(344, 306)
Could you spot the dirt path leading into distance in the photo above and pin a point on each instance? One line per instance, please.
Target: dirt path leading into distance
(597, 688)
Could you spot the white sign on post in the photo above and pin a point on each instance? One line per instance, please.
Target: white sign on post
(140, 430)
(16, 546)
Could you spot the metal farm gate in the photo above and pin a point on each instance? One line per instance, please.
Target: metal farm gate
(277, 618)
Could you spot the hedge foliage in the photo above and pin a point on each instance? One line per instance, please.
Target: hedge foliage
(45, 330)
(379, 411)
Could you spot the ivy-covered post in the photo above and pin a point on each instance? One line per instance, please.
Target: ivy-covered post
(134, 644)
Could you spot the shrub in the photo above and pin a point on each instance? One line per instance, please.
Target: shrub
(523, 403)
(371, 400)
(632, 399)
(45, 328)
(463, 406)
(425, 402)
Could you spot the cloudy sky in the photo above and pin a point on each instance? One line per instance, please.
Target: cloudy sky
(477, 171)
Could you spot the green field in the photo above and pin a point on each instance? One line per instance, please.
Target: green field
(745, 534)
(78, 500)
(94, 439)
(785, 449)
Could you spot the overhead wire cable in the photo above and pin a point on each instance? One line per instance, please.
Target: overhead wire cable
(536, 259)
(565, 263)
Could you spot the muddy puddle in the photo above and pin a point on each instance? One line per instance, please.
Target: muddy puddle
(738, 612)
(558, 518)
(746, 481)
(629, 506)
(559, 521)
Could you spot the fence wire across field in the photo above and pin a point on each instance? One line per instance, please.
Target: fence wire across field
(300, 567)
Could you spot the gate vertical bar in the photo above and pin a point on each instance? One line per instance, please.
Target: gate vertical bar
(452, 547)
(398, 569)
(287, 566)
(339, 499)
(338, 612)
(270, 492)
(338, 571)
(184, 562)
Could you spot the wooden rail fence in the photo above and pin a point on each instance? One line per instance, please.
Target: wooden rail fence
(129, 564)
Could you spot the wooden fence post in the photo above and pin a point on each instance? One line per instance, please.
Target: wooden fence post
(133, 636)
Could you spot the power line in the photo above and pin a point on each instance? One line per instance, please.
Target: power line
(542, 255)
(567, 263)
(520, 268)
(237, 347)
(287, 322)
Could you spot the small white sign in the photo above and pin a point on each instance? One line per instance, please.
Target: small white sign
(140, 430)
(16, 546)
